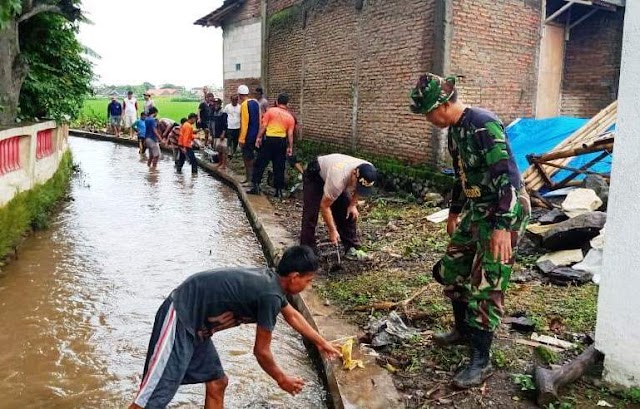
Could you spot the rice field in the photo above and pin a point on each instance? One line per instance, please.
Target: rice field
(167, 107)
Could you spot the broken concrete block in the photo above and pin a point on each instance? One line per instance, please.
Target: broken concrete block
(599, 185)
(580, 201)
(562, 258)
(568, 276)
(598, 241)
(592, 264)
(520, 323)
(433, 199)
(573, 233)
(553, 216)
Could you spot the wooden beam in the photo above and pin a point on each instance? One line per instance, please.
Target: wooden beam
(583, 18)
(559, 11)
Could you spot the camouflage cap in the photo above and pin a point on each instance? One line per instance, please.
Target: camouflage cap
(430, 92)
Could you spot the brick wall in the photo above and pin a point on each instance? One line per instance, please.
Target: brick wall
(327, 52)
(231, 86)
(495, 47)
(274, 6)
(592, 64)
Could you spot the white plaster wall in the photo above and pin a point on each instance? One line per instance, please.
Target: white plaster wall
(32, 170)
(242, 45)
(618, 326)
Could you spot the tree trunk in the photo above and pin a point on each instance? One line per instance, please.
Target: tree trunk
(13, 71)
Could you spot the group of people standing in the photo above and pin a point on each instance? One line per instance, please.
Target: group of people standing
(125, 114)
(488, 215)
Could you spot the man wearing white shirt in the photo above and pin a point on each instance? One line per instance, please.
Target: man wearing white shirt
(130, 105)
(233, 124)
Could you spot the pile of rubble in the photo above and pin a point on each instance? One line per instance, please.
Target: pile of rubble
(572, 234)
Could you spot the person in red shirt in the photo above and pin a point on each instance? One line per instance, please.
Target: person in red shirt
(185, 142)
(277, 129)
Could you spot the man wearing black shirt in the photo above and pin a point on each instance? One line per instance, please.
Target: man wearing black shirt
(180, 350)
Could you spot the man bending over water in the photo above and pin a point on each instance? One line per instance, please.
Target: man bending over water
(181, 351)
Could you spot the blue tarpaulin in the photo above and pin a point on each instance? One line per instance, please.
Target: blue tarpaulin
(539, 136)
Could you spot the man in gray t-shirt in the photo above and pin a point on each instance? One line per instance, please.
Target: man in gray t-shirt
(180, 350)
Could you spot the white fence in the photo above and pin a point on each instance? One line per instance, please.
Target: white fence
(29, 155)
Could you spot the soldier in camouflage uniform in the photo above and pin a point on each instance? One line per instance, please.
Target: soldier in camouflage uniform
(489, 213)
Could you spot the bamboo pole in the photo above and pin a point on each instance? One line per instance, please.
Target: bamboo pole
(586, 134)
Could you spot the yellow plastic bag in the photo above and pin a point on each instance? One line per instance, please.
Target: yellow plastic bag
(347, 362)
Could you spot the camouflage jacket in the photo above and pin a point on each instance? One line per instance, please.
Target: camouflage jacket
(487, 179)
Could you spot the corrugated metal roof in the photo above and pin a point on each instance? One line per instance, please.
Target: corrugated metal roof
(216, 17)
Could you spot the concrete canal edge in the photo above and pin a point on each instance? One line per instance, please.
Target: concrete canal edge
(368, 388)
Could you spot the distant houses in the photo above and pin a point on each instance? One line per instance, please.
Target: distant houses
(164, 92)
(121, 91)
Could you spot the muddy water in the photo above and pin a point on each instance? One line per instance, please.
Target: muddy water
(77, 307)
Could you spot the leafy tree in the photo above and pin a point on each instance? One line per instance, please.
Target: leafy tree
(15, 65)
(171, 86)
(148, 85)
(59, 76)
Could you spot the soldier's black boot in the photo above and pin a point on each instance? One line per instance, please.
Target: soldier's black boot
(460, 332)
(479, 368)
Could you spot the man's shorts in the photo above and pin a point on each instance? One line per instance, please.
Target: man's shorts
(153, 146)
(249, 151)
(129, 119)
(174, 358)
(115, 120)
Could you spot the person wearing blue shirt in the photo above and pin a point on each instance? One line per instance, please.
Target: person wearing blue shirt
(141, 129)
(152, 137)
(114, 115)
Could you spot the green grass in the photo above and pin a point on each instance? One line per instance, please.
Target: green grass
(31, 209)
(167, 107)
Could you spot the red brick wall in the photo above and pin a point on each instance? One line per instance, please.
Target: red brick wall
(495, 47)
(277, 5)
(592, 64)
(231, 87)
(380, 49)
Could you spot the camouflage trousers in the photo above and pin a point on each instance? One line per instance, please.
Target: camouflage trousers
(471, 274)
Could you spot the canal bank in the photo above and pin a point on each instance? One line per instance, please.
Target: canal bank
(371, 387)
(35, 168)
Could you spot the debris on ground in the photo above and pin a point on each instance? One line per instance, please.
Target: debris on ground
(599, 185)
(587, 139)
(581, 201)
(520, 322)
(573, 233)
(569, 276)
(591, 264)
(552, 217)
(548, 340)
(549, 381)
(562, 258)
(388, 330)
(439, 216)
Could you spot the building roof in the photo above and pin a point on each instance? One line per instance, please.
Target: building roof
(216, 17)
(162, 91)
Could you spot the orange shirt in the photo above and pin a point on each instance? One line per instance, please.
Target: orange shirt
(278, 121)
(186, 135)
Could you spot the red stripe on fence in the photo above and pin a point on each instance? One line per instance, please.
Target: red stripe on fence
(44, 145)
(9, 155)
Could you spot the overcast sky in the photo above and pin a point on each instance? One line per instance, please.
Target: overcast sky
(154, 41)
